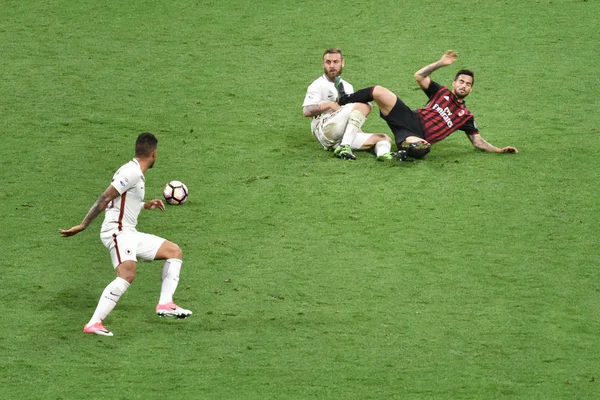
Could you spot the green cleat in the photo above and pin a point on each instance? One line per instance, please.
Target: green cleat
(397, 156)
(344, 152)
(385, 157)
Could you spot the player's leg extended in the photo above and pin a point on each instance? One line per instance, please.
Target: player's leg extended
(172, 254)
(110, 296)
(385, 99)
(356, 120)
(332, 131)
(380, 143)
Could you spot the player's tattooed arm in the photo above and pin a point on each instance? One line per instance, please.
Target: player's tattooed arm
(428, 70)
(100, 205)
(312, 110)
(482, 144)
(422, 75)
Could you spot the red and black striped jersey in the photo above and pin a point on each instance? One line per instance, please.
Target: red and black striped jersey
(444, 114)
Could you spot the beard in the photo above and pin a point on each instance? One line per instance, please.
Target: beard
(331, 75)
(460, 96)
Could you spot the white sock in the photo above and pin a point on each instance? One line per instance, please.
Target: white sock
(355, 121)
(170, 279)
(109, 298)
(382, 147)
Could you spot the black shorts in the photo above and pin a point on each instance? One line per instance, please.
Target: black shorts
(403, 122)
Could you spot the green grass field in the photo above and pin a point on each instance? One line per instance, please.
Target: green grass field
(464, 276)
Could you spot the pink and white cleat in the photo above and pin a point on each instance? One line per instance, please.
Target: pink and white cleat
(172, 310)
(97, 329)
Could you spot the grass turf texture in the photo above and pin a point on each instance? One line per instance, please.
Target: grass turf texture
(468, 275)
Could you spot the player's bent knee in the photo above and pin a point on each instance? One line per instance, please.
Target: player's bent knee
(380, 92)
(169, 250)
(127, 270)
(364, 108)
(385, 138)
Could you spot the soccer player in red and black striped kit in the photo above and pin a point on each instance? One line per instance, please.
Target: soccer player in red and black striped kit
(416, 130)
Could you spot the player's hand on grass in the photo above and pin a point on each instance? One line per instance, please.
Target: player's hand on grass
(70, 232)
(153, 204)
(449, 57)
(509, 149)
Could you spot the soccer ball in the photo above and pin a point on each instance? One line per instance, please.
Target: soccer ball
(175, 192)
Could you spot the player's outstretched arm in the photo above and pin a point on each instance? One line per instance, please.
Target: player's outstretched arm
(100, 205)
(422, 75)
(153, 204)
(482, 144)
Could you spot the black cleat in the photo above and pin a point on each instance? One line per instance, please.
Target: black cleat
(400, 155)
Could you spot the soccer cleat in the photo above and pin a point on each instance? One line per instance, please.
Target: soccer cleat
(385, 157)
(400, 155)
(344, 152)
(339, 86)
(172, 310)
(97, 329)
(416, 149)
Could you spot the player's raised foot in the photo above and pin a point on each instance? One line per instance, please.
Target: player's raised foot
(400, 155)
(339, 86)
(172, 310)
(97, 329)
(344, 152)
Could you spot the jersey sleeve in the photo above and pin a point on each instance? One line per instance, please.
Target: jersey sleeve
(433, 88)
(124, 179)
(470, 127)
(313, 95)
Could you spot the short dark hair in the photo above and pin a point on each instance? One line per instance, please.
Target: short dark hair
(465, 72)
(145, 144)
(333, 50)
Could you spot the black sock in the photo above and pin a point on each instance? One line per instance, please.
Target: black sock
(361, 96)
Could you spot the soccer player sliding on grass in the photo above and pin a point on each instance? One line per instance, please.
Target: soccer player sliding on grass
(416, 130)
(339, 128)
(123, 200)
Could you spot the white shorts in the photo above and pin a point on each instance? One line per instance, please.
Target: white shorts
(131, 246)
(329, 130)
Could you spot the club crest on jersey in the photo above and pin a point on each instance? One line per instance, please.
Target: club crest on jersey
(461, 113)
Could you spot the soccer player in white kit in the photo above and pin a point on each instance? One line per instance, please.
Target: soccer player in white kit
(123, 201)
(336, 127)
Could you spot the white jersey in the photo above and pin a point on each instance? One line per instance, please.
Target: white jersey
(122, 213)
(320, 91)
